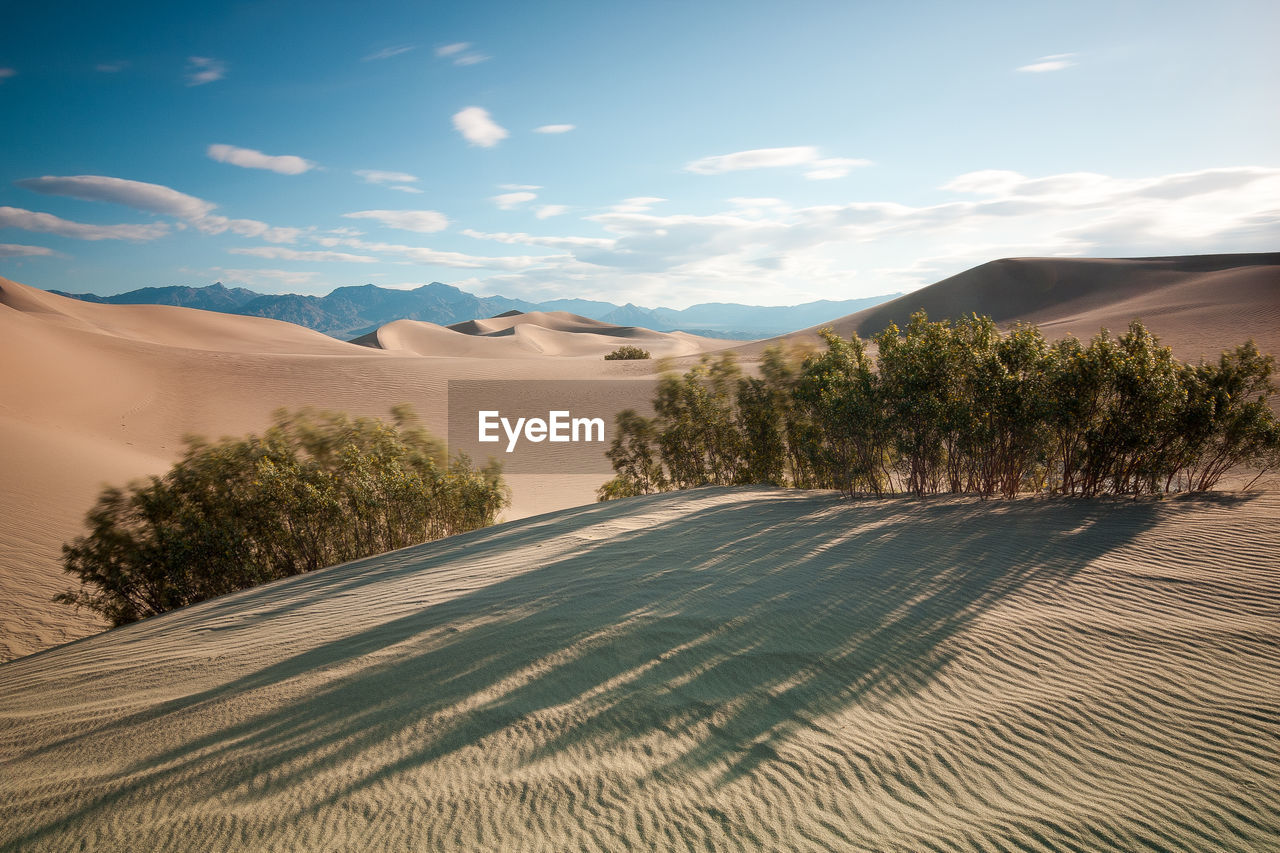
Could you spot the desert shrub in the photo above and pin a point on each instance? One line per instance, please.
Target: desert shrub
(958, 408)
(316, 489)
(627, 353)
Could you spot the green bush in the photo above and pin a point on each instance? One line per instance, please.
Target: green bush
(316, 489)
(958, 408)
(627, 353)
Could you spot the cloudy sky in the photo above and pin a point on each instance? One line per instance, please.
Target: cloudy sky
(663, 153)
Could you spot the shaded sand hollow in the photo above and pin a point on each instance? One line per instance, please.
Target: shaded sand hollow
(721, 669)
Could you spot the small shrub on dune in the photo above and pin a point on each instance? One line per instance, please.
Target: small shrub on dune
(316, 489)
(627, 353)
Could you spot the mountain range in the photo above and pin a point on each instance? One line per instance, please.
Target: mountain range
(349, 312)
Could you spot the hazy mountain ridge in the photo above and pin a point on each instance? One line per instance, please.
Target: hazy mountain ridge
(348, 312)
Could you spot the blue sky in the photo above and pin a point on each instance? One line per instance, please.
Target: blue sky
(653, 152)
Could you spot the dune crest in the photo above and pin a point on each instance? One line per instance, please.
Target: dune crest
(1198, 304)
(516, 334)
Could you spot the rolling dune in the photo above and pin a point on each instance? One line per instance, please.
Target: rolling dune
(719, 669)
(1197, 304)
(103, 394)
(516, 335)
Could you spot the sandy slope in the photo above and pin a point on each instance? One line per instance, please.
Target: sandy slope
(96, 394)
(714, 670)
(1199, 304)
(554, 333)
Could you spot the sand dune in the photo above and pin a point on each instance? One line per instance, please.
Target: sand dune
(514, 335)
(1198, 304)
(719, 669)
(103, 394)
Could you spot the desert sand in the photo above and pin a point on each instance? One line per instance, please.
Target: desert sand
(103, 394)
(719, 669)
(1196, 304)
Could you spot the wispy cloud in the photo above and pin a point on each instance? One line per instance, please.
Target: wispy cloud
(18, 250)
(518, 187)
(547, 242)
(1053, 62)
(547, 211)
(284, 164)
(259, 277)
(422, 221)
(637, 204)
(6, 73)
(139, 195)
(112, 67)
(816, 166)
(156, 198)
(461, 54)
(478, 127)
(509, 201)
(555, 128)
(204, 69)
(47, 223)
(405, 188)
(378, 176)
(280, 253)
(388, 52)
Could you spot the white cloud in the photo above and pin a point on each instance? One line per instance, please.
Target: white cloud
(818, 167)
(547, 211)
(519, 187)
(204, 69)
(284, 164)
(378, 176)
(280, 253)
(112, 67)
(455, 260)
(6, 73)
(388, 52)
(18, 250)
(637, 204)
(47, 223)
(458, 51)
(258, 277)
(155, 198)
(510, 201)
(404, 188)
(555, 128)
(152, 198)
(547, 242)
(1053, 62)
(422, 221)
(478, 128)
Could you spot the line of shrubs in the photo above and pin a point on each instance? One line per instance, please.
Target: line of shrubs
(957, 408)
(316, 489)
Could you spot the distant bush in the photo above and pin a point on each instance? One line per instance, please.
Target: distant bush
(627, 353)
(959, 408)
(316, 489)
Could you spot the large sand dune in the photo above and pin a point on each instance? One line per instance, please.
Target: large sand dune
(711, 670)
(103, 394)
(517, 335)
(1198, 304)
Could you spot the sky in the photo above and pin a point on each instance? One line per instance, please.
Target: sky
(660, 153)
